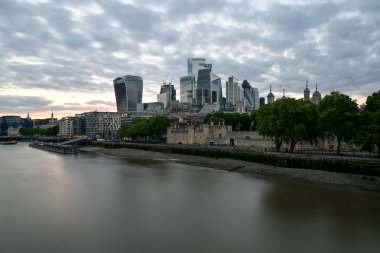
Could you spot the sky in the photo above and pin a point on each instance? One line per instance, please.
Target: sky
(62, 56)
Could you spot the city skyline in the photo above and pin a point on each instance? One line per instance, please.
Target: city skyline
(62, 56)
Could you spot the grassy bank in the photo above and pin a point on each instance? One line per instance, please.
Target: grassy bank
(369, 167)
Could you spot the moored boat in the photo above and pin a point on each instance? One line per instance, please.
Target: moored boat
(12, 142)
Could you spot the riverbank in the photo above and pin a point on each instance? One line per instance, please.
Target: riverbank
(307, 176)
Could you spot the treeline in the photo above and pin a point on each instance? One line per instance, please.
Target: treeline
(29, 131)
(292, 121)
(238, 121)
(144, 130)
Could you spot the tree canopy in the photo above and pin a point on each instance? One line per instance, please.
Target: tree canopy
(339, 115)
(152, 129)
(29, 131)
(373, 102)
(288, 120)
(238, 121)
(369, 124)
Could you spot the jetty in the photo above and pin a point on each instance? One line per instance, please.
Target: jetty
(54, 147)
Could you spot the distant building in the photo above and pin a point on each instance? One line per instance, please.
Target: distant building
(209, 88)
(193, 67)
(9, 121)
(306, 93)
(71, 126)
(248, 96)
(128, 92)
(187, 87)
(316, 99)
(167, 95)
(46, 123)
(209, 108)
(150, 107)
(196, 64)
(195, 134)
(256, 99)
(262, 101)
(270, 96)
(101, 124)
(234, 92)
(13, 131)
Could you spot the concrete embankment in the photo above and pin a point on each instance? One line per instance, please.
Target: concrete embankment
(308, 176)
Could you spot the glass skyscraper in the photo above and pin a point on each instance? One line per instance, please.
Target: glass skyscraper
(187, 86)
(209, 88)
(234, 91)
(128, 92)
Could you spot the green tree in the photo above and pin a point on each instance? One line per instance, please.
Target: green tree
(146, 129)
(214, 119)
(339, 114)
(373, 102)
(288, 120)
(245, 121)
(267, 117)
(368, 134)
(157, 127)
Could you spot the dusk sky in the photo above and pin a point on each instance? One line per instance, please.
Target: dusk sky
(62, 56)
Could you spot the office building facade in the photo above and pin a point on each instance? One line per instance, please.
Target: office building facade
(128, 92)
(209, 88)
(234, 92)
(187, 87)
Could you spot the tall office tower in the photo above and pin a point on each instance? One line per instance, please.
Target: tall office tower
(262, 101)
(128, 92)
(193, 67)
(209, 88)
(187, 85)
(234, 91)
(195, 64)
(248, 102)
(256, 99)
(167, 94)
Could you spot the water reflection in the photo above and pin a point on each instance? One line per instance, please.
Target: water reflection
(93, 203)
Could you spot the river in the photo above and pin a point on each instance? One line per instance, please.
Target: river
(91, 203)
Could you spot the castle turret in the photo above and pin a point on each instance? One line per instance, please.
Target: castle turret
(306, 93)
(316, 95)
(270, 96)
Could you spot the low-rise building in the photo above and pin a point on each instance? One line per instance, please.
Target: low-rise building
(195, 134)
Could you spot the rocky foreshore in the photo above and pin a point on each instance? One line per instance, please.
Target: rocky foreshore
(314, 177)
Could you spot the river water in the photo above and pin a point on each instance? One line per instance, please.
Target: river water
(91, 203)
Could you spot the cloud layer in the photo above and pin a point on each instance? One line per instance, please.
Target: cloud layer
(81, 46)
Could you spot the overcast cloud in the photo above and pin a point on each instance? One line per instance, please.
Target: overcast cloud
(50, 49)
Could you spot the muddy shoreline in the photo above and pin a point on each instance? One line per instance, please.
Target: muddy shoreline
(305, 176)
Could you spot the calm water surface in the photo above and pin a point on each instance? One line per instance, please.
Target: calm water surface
(92, 203)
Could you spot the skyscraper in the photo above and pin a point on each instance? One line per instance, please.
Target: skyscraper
(193, 67)
(187, 85)
(209, 88)
(128, 92)
(248, 96)
(234, 91)
(167, 94)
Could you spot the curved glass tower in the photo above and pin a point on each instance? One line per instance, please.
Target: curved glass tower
(128, 92)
